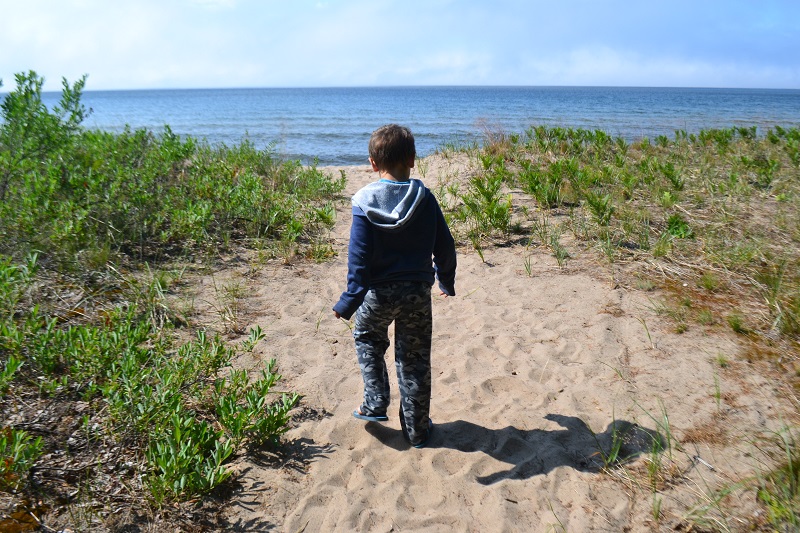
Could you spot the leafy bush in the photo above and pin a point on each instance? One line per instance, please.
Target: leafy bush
(678, 227)
(77, 194)
(601, 207)
(154, 393)
(77, 204)
(187, 459)
(546, 185)
(485, 209)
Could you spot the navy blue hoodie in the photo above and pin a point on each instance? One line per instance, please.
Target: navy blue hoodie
(398, 234)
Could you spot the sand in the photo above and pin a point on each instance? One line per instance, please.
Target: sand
(535, 376)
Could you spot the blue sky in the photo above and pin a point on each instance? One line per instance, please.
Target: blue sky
(299, 43)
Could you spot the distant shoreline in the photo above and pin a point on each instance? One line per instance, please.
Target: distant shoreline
(393, 87)
(333, 124)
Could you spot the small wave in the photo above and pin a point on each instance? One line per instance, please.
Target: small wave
(335, 124)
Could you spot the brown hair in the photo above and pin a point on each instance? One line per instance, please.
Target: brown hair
(391, 145)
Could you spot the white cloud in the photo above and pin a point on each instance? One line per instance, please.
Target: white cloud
(215, 5)
(606, 66)
(218, 43)
(86, 37)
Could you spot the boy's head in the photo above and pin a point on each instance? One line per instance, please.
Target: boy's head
(392, 145)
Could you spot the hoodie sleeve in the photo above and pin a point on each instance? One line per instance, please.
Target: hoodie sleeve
(359, 252)
(444, 254)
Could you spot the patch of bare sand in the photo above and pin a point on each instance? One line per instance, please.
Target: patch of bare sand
(535, 377)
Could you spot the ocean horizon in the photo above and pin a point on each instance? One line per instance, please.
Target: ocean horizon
(332, 125)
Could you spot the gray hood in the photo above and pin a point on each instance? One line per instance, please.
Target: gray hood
(390, 205)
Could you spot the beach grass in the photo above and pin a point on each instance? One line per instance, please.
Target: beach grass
(711, 218)
(711, 221)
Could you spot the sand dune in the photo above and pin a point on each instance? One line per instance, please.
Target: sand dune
(536, 377)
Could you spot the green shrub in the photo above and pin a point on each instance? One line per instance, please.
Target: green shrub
(779, 489)
(678, 227)
(547, 185)
(166, 397)
(187, 459)
(601, 207)
(485, 209)
(74, 193)
(75, 199)
(18, 453)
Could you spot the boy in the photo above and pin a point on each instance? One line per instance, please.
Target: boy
(398, 241)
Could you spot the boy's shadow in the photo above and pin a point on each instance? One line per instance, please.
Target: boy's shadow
(537, 451)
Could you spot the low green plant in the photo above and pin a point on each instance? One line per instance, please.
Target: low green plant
(764, 168)
(655, 465)
(89, 222)
(546, 185)
(542, 229)
(736, 322)
(647, 332)
(245, 411)
(656, 508)
(18, 453)
(709, 513)
(81, 196)
(709, 281)
(611, 456)
(779, 488)
(644, 283)
(667, 440)
(678, 227)
(485, 210)
(705, 317)
(609, 249)
(663, 245)
(227, 303)
(186, 453)
(160, 394)
(15, 279)
(677, 311)
(706, 183)
(10, 368)
(422, 167)
(527, 265)
(601, 207)
(187, 458)
(559, 251)
(673, 175)
(667, 199)
(782, 294)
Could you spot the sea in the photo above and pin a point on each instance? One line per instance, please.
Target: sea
(332, 125)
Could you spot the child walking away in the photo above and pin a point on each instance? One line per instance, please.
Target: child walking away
(399, 244)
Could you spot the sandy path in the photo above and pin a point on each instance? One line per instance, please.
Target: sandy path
(525, 369)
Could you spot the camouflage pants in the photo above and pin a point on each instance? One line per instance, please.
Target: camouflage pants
(408, 304)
